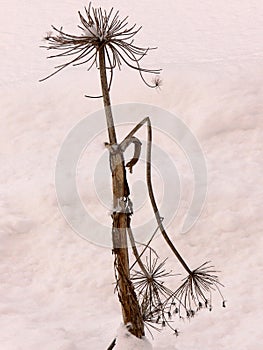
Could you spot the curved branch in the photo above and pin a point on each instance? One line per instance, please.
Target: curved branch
(150, 188)
(137, 150)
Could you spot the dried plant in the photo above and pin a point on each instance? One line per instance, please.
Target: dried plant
(106, 42)
(151, 289)
(158, 302)
(195, 292)
(100, 29)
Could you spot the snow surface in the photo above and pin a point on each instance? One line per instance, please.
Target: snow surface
(129, 342)
(56, 289)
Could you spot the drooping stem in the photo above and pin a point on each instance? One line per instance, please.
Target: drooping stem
(150, 188)
(153, 201)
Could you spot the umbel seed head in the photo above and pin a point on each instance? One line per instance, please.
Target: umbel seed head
(99, 31)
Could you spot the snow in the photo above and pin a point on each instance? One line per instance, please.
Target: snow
(125, 340)
(56, 289)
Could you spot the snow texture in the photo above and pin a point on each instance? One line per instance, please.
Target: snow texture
(125, 340)
(56, 289)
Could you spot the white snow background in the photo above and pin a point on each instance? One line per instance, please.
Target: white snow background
(56, 289)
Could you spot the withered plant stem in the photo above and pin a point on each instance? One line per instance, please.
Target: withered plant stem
(131, 310)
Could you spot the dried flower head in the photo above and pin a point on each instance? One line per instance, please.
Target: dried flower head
(157, 82)
(195, 292)
(99, 30)
(160, 304)
(153, 293)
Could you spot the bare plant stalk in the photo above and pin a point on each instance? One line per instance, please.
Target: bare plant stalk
(121, 220)
(107, 42)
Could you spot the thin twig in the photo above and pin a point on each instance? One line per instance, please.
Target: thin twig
(112, 344)
(146, 246)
